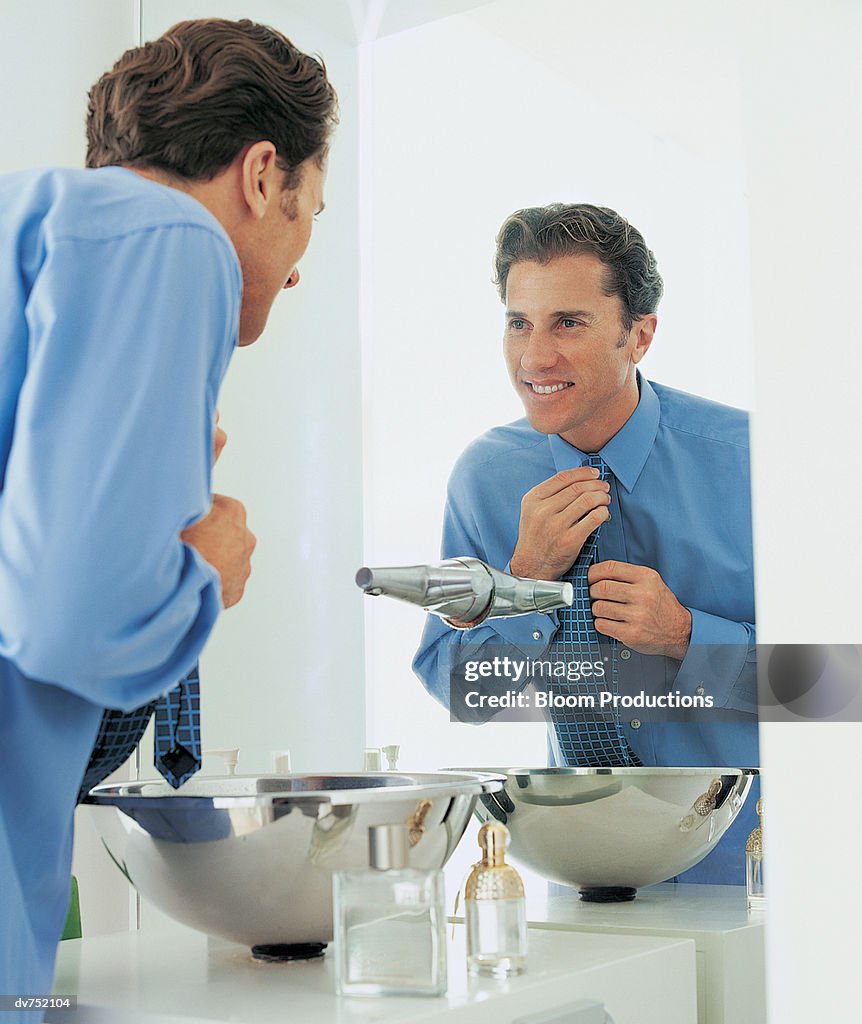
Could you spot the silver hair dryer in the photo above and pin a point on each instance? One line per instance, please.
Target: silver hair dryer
(465, 590)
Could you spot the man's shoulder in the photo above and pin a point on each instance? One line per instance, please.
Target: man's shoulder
(700, 417)
(75, 204)
(512, 440)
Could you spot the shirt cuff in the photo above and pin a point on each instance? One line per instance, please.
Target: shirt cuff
(525, 631)
(716, 656)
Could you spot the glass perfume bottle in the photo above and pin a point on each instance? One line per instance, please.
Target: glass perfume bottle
(754, 865)
(389, 922)
(494, 910)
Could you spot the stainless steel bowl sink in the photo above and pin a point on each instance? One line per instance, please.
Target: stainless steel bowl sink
(250, 858)
(610, 831)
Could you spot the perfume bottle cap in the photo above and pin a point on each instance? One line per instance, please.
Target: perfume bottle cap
(754, 844)
(388, 846)
(493, 840)
(492, 878)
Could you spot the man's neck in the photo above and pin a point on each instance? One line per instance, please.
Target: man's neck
(594, 435)
(215, 194)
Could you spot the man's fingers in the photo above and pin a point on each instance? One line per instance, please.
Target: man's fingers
(612, 590)
(583, 504)
(580, 530)
(610, 610)
(566, 499)
(233, 508)
(623, 572)
(608, 627)
(560, 481)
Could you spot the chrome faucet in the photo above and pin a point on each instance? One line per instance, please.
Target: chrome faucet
(464, 591)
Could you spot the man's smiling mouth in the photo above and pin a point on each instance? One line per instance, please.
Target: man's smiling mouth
(548, 389)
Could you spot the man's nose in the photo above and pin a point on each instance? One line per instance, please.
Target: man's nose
(293, 279)
(540, 352)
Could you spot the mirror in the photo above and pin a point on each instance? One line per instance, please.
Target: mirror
(472, 117)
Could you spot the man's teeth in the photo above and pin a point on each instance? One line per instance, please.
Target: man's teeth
(549, 389)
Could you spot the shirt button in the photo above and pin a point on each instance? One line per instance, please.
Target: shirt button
(635, 723)
(700, 691)
(537, 635)
(625, 654)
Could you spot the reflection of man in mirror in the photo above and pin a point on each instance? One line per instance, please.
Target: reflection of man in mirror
(655, 480)
(125, 288)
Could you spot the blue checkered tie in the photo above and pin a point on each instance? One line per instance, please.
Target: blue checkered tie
(178, 731)
(585, 737)
(177, 739)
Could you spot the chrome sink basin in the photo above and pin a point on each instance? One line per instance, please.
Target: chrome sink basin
(610, 831)
(250, 859)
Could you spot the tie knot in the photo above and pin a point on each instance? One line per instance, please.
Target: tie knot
(597, 462)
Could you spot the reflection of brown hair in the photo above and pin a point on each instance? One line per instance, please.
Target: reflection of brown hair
(190, 101)
(540, 233)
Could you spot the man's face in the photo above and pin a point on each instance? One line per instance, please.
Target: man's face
(270, 256)
(568, 355)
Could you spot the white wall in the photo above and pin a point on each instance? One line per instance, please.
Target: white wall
(472, 117)
(50, 55)
(804, 136)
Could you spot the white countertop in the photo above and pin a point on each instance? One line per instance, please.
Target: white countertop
(729, 939)
(671, 908)
(179, 975)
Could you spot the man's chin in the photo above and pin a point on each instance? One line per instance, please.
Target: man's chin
(542, 425)
(249, 333)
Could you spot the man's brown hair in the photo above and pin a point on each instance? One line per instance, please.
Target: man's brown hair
(189, 102)
(541, 233)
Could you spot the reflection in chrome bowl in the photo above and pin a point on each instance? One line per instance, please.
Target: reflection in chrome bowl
(250, 859)
(610, 831)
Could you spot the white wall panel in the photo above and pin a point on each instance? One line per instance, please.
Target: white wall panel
(51, 52)
(804, 135)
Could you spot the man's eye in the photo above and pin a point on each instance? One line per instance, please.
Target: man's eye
(517, 324)
(569, 323)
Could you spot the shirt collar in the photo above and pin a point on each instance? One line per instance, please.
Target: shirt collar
(627, 451)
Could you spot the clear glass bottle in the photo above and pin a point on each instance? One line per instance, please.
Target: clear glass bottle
(494, 910)
(389, 923)
(754, 885)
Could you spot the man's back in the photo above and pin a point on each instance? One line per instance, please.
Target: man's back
(121, 303)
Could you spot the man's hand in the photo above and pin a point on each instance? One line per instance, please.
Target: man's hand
(223, 540)
(557, 516)
(633, 604)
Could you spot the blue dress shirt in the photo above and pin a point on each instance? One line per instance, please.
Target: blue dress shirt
(680, 504)
(121, 303)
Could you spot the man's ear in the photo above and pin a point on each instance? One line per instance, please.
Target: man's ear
(260, 177)
(643, 329)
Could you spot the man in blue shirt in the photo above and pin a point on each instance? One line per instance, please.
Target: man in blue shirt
(125, 288)
(674, 573)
